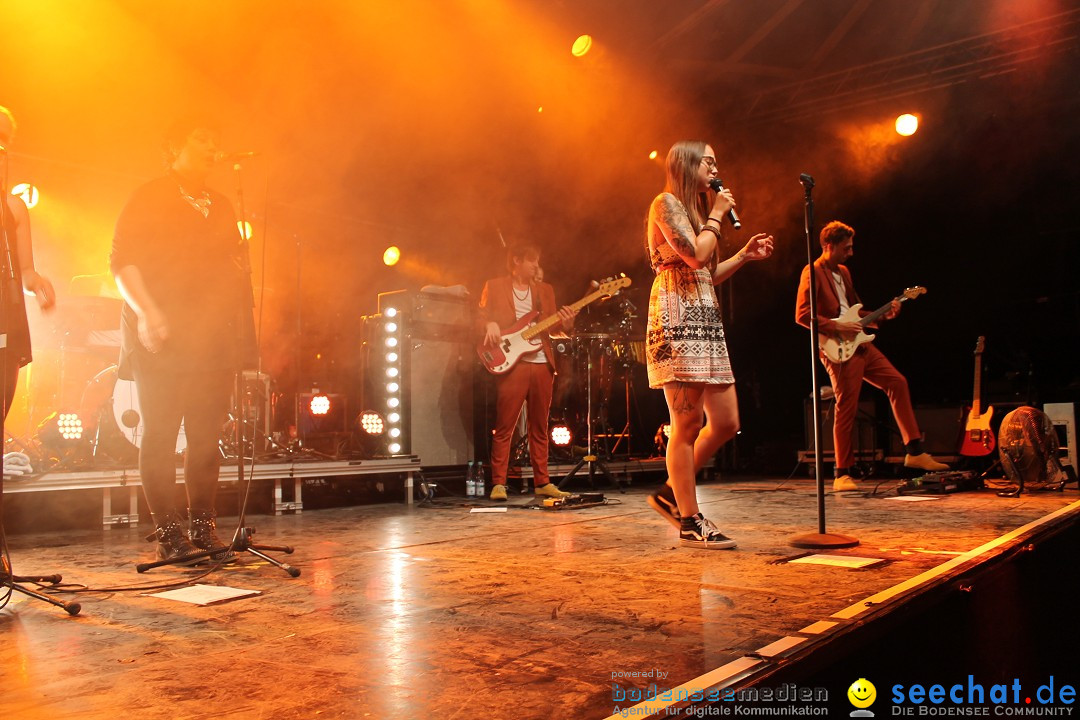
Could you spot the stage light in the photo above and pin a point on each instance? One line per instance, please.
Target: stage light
(391, 256)
(319, 405)
(391, 357)
(245, 229)
(395, 432)
(907, 124)
(392, 387)
(390, 312)
(561, 435)
(394, 448)
(540, 109)
(370, 422)
(391, 327)
(392, 402)
(27, 192)
(60, 430)
(391, 342)
(653, 154)
(581, 46)
(393, 417)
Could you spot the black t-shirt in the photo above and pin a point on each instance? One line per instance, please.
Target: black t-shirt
(192, 267)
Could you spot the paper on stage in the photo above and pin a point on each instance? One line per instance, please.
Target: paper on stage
(913, 498)
(204, 594)
(481, 510)
(847, 561)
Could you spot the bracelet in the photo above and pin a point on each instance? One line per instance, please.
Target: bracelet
(713, 230)
(719, 222)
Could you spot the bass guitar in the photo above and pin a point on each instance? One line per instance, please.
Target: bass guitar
(978, 437)
(523, 337)
(839, 349)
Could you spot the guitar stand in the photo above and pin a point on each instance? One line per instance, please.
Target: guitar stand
(241, 543)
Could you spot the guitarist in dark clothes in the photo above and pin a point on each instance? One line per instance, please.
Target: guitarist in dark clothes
(504, 301)
(835, 294)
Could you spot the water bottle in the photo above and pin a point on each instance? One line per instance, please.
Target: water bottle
(470, 480)
(478, 479)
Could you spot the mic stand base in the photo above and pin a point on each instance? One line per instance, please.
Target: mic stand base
(12, 582)
(594, 463)
(823, 541)
(241, 543)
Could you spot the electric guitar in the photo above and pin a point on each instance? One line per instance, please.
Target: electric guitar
(523, 337)
(978, 437)
(838, 349)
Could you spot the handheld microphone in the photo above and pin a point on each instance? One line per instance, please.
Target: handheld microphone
(806, 180)
(234, 157)
(717, 185)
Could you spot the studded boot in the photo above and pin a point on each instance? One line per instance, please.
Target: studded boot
(171, 540)
(204, 537)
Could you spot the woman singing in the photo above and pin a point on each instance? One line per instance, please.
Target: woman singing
(685, 348)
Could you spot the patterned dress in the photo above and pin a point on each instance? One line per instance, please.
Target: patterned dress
(684, 341)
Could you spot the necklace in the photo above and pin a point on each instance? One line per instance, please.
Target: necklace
(521, 298)
(200, 202)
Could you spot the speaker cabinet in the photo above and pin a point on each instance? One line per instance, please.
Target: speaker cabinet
(441, 401)
(863, 439)
(941, 427)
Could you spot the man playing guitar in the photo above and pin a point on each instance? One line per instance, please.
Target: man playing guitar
(835, 294)
(504, 301)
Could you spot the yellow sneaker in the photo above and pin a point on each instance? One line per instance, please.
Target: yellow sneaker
(844, 483)
(550, 491)
(924, 462)
(498, 492)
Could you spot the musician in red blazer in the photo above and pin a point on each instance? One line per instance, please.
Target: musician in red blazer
(835, 294)
(504, 301)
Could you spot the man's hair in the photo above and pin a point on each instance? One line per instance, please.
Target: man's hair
(835, 233)
(520, 251)
(172, 142)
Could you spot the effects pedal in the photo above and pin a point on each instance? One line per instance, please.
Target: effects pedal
(574, 501)
(939, 483)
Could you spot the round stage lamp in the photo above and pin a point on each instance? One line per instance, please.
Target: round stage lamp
(581, 46)
(370, 423)
(245, 229)
(319, 405)
(561, 435)
(907, 124)
(391, 256)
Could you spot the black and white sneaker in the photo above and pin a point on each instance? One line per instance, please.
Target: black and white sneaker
(698, 532)
(663, 502)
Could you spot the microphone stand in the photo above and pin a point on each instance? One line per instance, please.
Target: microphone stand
(9, 284)
(241, 541)
(820, 539)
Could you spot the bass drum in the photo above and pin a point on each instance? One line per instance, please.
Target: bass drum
(112, 406)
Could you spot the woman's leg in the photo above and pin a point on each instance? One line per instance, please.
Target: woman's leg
(685, 408)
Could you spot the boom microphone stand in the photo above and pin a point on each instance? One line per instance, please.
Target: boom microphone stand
(590, 458)
(9, 286)
(820, 539)
(241, 541)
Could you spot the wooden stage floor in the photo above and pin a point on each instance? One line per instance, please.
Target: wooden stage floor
(436, 612)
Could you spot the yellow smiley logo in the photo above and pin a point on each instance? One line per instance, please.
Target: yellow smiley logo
(862, 693)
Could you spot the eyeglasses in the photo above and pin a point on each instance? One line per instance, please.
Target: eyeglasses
(709, 160)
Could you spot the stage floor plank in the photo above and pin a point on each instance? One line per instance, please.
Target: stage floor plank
(440, 613)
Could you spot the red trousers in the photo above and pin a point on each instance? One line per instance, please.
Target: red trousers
(529, 382)
(871, 365)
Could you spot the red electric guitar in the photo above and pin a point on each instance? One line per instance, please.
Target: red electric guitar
(524, 336)
(978, 437)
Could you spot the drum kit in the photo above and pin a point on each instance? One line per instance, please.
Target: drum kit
(88, 384)
(594, 365)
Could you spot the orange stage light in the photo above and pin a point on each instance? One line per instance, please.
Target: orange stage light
(582, 45)
(245, 229)
(907, 124)
(320, 405)
(391, 256)
(653, 154)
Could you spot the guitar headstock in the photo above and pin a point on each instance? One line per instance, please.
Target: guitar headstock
(612, 285)
(913, 292)
(980, 345)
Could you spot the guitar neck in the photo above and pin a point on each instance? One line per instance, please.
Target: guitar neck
(550, 320)
(874, 316)
(975, 409)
